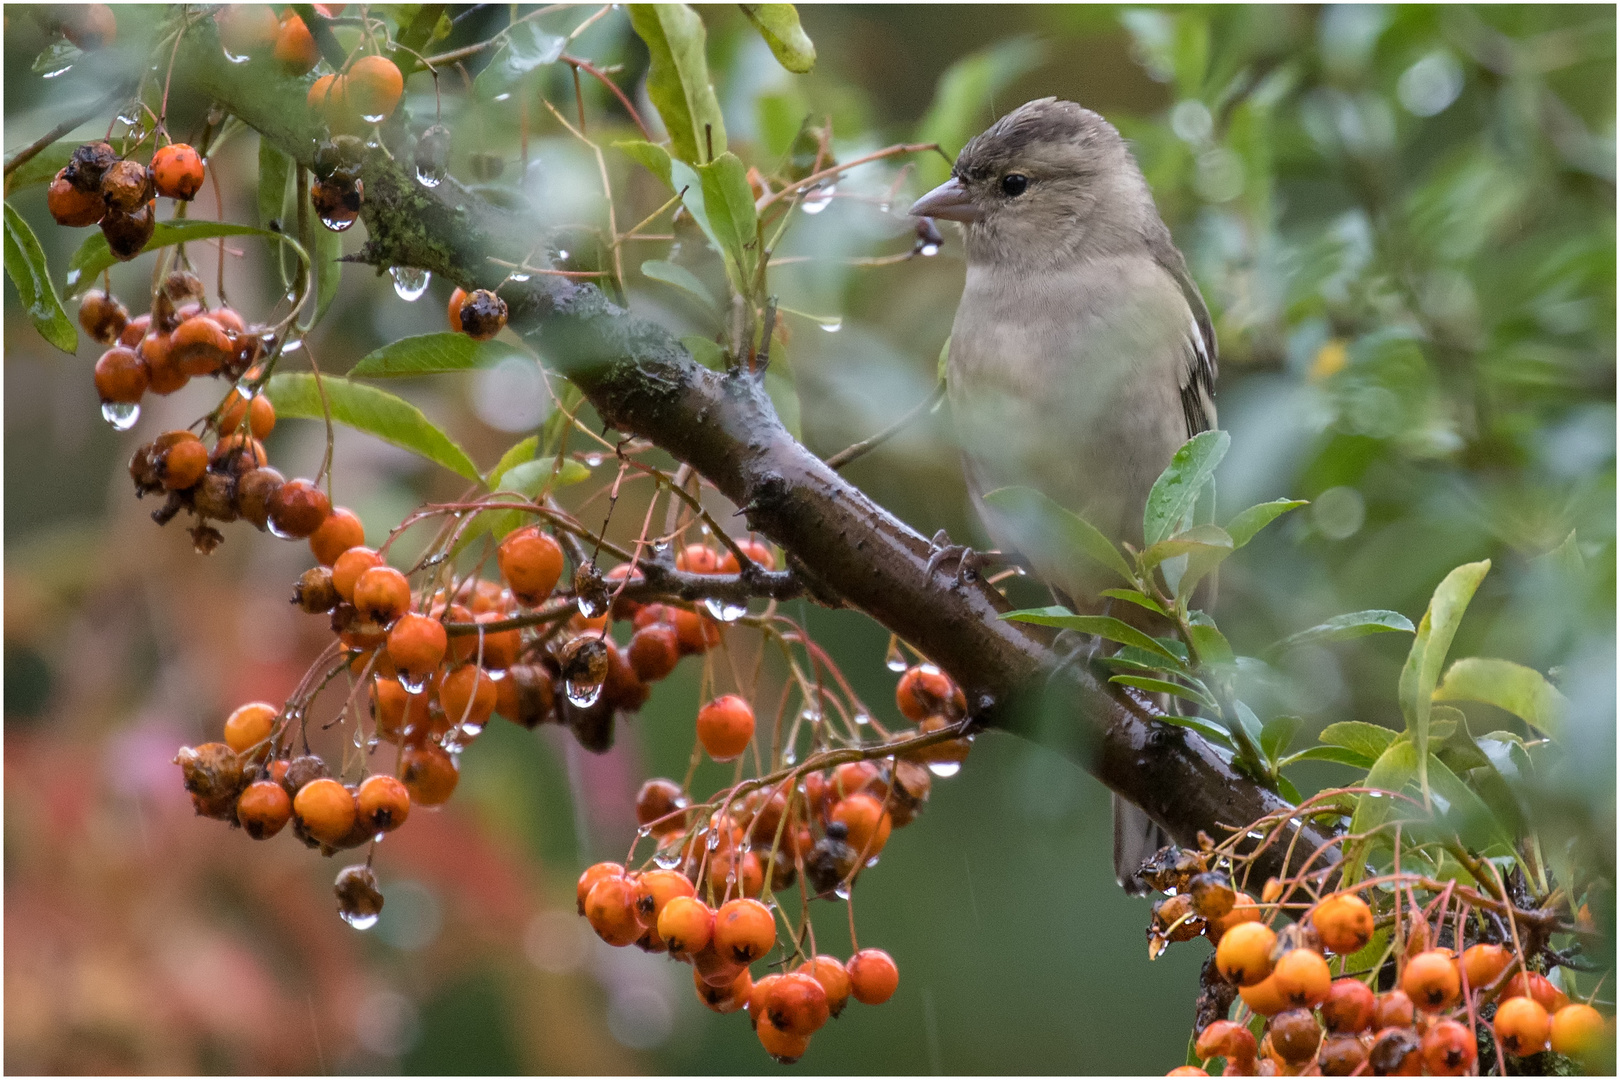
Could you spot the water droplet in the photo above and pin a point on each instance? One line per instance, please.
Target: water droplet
(232, 57)
(832, 326)
(562, 255)
(130, 117)
(705, 530)
(862, 719)
(503, 97)
(817, 198)
(810, 716)
(247, 387)
(713, 842)
(591, 606)
(360, 922)
(337, 224)
(660, 547)
(873, 861)
(668, 858)
(121, 414)
(409, 282)
(943, 769)
(518, 277)
(581, 694)
(292, 346)
(883, 207)
(374, 118)
(790, 756)
(928, 250)
(894, 659)
(426, 178)
(411, 687)
(593, 460)
(58, 71)
(843, 890)
(644, 831)
(277, 533)
(724, 611)
(73, 277)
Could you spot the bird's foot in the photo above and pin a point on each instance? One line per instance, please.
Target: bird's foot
(968, 561)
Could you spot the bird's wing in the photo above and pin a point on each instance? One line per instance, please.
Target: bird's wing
(1198, 376)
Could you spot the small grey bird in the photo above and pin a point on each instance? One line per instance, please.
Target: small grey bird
(1082, 354)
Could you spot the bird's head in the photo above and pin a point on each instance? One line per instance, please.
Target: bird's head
(1047, 180)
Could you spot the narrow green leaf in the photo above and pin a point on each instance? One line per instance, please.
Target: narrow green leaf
(779, 25)
(1164, 686)
(93, 255)
(275, 168)
(1207, 728)
(526, 47)
(1465, 811)
(1054, 534)
(650, 156)
(1395, 768)
(1338, 754)
(1100, 625)
(1199, 539)
(25, 265)
(1524, 692)
(430, 354)
(943, 363)
(683, 279)
(526, 478)
(376, 412)
(1209, 644)
(678, 79)
(1428, 655)
(1344, 627)
(1276, 734)
(1245, 525)
(1132, 596)
(328, 271)
(1177, 488)
(719, 199)
(1358, 736)
(1286, 788)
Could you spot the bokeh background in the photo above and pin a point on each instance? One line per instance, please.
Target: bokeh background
(1403, 220)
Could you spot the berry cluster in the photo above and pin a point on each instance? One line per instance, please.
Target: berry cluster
(100, 187)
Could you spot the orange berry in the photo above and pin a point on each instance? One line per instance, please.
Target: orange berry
(416, 645)
(1225, 1039)
(381, 594)
(834, 980)
(591, 876)
(482, 315)
(1344, 922)
(698, 559)
(1579, 1031)
(1186, 1070)
(263, 809)
(326, 809)
(72, 207)
(1244, 954)
(239, 455)
(1263, 997)
(295, 46)
(1523, 1026)
(1393, 1009)
(655, 889)
(687, 926)
(1244, 909)
(121, 376)
(1449, 1049)
(1431, 980)
(756, 550)
(250, 725)
(867, 821)
(297, 509)
(784, 1046)
(531, 562)
(328, 96)
(1349, 1007)
(384, 803)
(134, 330)
(177, 171)
(200, 346)
(494, 650)
(184, 462)
(1303, 978)
(727, 998)
(696, 633)
(260, 414)
(610, 909)
(467, 696)
(374, 87)
(1295, 1035)
(796, 1004)
(347, 568)
(654, 651)
(657, 806)
(744, 930)
(725, 727)
(873, 976)
(341, 531)
(398, 713)
(1483, 963)
(453, 309)
(246, 29)
(430, 775)
(925, 691)
(1539, 987)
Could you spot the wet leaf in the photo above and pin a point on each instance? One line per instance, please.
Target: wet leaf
(373, 411)
(430, 354)
(1177, 488)
(678, 79)
(779, 25)
(1524, 692)
(25, 265)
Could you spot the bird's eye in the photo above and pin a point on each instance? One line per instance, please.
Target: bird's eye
(1013, 184)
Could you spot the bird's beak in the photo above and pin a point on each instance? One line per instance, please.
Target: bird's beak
(949, 201)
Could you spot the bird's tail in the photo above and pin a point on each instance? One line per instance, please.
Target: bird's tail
(1136, 838)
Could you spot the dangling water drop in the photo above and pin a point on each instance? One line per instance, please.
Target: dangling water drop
(832, 326)
(593, 460)
(518, 277)
(247, 387)
(337, 224)
(724, 610)
(73, 277)
(862, 719)
(591, 605)
(411, 687)
(121, 414)
(817, 198)
(873, 861)
(713, 842)
(582, 695)
(280, 535)
(374, 118)
(668, 858)
(58, 71)
(292, 346)
(230, 56)
(644, 831)
(790, 756)
(503, 97)
(943, 769)
(359, 922)
(409, 282)
(928, 250)
(894, 659)
(843, 890)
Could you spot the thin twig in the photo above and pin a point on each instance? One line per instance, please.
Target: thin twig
(849, 454)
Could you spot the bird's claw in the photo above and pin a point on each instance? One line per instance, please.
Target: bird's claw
(968, 561)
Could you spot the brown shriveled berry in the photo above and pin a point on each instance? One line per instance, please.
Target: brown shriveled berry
(925, 691)
(1295, 1035)
(263, 809)
(1340, 1055)
(655, 651)
(430, 774)
(1523, 1026)
(1226, 1039)
(360, 901)
(834, 980)
(127, 234)
(416, 645)
(728, 998)
(212, 773)
(873, 976)
(536, 696)
(315, 593)
(297, 509)
(610, 909)
(337, 202)
(531, 562)
(88, 164)
(374, 87)
(657, 806)
(744, 930)
(1431, 980)
(255, 490)
(1244, 954)
(1303, 978)
(103, 317)
(583, 661)
(622, 689)
(725, 727)
(250, 725)
(126, 186)
(71, 207)
(1393, 1009)
(1212, 894)
(483, 314)
(1396, 1052)
(200, 346)
(1448, 1049)
(384, 803)
(1344, 922)
(215, 497)
(326, 809)
(246, 29)
(177, 171)
(121, 376)
(1349, 1007)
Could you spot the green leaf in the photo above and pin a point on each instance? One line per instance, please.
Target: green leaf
(1337, 754)
(1200, 539)
(1132, 596)
(683, 279)
(1276, 734)
(516, 454)
(1466, 812)
(705, 351)
(25, 265)
(1177, 488)
(962, 101)
(784, 397)
(1100, 625)
(779, 25)
(1052, 534)
(58, 56)
(650, 156)
(430, 354)
(1208, 642)
(1245, 525)
(1358, 736)
(1207, 728)
(521, 477)
(943, 362)
(678, 79)
(376, 412)
(275, 168)
(328, 271)
(43, 166)
(1395, 768)
(719, 199)
(1164, 686)
(1344, 627)
(1428, 654)
(1524, 692)
(1286, 788)
(93, 256)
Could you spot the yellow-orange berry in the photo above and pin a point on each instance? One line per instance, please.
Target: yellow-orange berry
(655, 889)
(295, 46)
(374, 87)
(1263, 998)
(1579, 1031)
(610, 909)
(326, 809)
(867, 821)
(784, 1046)
(687, 926)
(177, 171)
(1523, 1026)
(873, 976)
(1483, 963)
(696, 633)
(1244, 954)
(259, 413)
(250, 725)
(725, 727)
(1344, 922)
(384, 803)
(1303, 978)
(654, 651)
(416, 645)
(341, 531)
(381, 594)
(698, 559)
(834, 980)
(263, 809)
(744, 930)
(430, 775)
(1225, 1039)
(591, 876)
(531, 562)
(348, 567)
(399, 714)
(467, 696)
(1431, 980)
(453, 309)
(925, 691)
(493, 650)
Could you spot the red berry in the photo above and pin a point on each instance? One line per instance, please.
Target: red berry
(744, 930)
(532, 563)
(725, 727)
(873, 976)
(178, 171)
